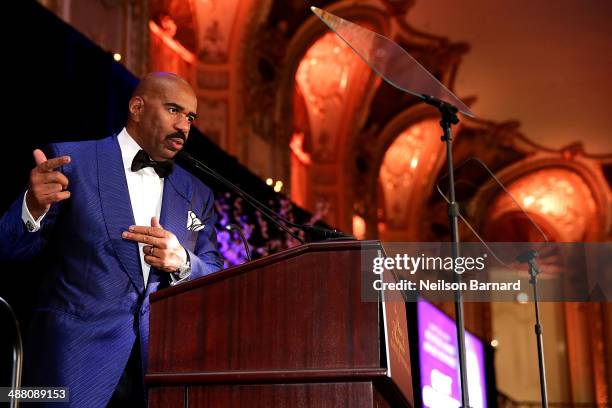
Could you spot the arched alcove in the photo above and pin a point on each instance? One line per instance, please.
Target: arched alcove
(330, 88)
(405, 178)
(563, 199)
(569, 198)
(560, 199)
(329, 81)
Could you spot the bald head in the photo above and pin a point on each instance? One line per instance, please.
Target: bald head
(161, 111)
(153, 83)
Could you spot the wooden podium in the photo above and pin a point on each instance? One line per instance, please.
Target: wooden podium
(288, 330)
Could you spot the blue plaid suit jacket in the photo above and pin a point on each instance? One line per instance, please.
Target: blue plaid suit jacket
(93, 304)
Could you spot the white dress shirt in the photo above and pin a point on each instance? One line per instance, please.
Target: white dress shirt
(145, 188)
(146, 191)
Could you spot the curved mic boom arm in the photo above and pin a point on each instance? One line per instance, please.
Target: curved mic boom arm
(282, 223)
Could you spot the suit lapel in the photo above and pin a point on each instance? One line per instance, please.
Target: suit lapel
(175, 204)
(117, 208)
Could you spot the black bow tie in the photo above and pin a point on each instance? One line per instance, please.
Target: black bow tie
(142, 160)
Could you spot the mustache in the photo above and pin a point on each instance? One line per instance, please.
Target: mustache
(177, 135)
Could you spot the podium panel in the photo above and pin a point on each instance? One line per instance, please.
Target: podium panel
(286, 330)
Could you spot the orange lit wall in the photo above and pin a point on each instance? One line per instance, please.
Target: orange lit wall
(330, 82)
(559, 197)
(404, 176)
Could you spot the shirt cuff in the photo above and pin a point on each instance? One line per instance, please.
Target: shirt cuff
(31, 224)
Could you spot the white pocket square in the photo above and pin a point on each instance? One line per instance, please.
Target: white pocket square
(193, 222)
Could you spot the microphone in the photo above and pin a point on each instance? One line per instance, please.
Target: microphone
(314, 233)
(527, 256)
(325, 234)
(234, 227)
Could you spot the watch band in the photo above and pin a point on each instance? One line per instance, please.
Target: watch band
(184, 270)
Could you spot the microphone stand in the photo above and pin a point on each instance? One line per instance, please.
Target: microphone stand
(326, 234)
(449, 117)
(530, 257)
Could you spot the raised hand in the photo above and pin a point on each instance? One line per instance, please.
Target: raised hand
(162, 249)
(47, 186)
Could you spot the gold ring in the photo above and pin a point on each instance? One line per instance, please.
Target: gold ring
(152, 248)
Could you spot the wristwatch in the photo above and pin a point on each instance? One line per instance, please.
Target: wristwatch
(184, 270)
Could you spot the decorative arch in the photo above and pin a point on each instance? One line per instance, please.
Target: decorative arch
(346, 105)
(568, 197)
(406, 178)
(308, 33)
(267, 116)
(374, 199)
